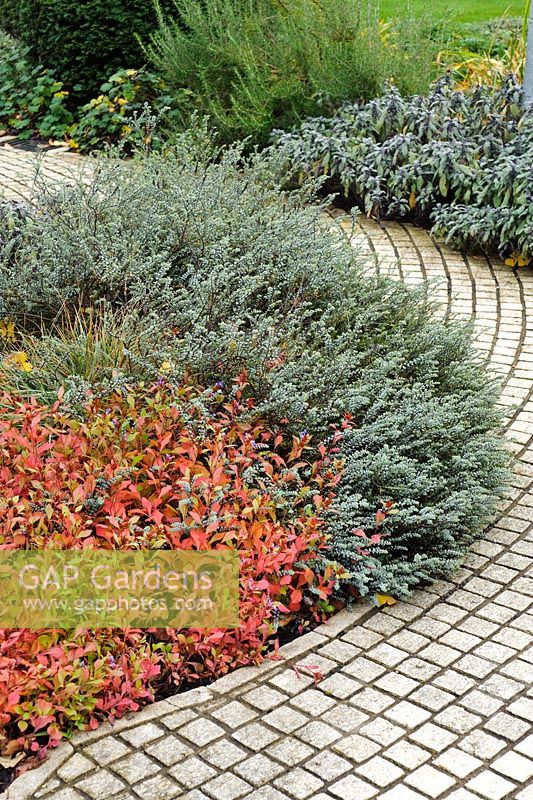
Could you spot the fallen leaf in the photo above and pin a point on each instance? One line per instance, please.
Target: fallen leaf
(8, 762)
(385, 600)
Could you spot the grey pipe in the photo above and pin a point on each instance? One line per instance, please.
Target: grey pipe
(528, 72)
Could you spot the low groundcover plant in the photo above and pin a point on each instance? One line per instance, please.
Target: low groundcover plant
(156, 468)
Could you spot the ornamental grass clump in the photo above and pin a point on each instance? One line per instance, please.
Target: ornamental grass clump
(78, 350)
(231, 273)
(459, 161)
(485, 53)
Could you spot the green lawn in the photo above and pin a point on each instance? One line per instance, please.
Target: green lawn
(459, 10)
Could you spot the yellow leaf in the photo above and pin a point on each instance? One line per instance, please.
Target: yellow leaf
(7, 330)
(165, 366)
(412, 200)
(385, 600)
(516, 259)
(19, 358)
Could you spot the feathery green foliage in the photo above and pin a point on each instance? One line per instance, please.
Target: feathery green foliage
(255, 64)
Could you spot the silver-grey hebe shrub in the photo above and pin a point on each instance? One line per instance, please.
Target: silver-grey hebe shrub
(230, 273)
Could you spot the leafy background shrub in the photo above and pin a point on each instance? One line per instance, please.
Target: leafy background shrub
(134, 105)
(461, 160)
(254, 65)
(183, 469)
(258, 285)
(83, 42)
(30, 97)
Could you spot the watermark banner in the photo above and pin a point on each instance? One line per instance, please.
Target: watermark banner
(119, 589)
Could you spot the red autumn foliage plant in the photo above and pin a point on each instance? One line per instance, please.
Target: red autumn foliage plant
(155, 468)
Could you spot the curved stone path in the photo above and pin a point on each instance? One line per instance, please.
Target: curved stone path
(21, 169)
(429, 698)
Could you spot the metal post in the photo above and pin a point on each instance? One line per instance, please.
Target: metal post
(528, 71)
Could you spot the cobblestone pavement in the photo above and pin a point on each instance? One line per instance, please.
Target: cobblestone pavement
(20, 169)
(429, 698)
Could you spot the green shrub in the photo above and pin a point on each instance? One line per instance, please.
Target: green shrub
(461, 160)
(262, 63)
(31, 99)
(84, 41)
(133, 107)
(231, 274)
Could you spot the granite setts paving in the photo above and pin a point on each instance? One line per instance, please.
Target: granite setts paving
(21, 170)
(429, 698)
